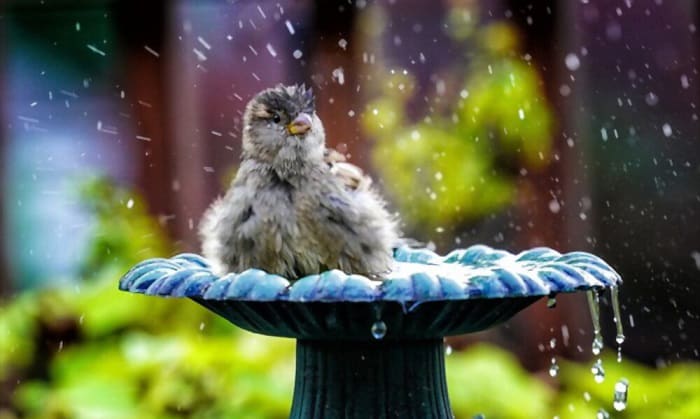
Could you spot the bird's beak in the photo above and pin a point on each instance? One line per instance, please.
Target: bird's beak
(300, 124)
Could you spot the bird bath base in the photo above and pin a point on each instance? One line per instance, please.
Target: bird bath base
(370, 349)
(370, 379)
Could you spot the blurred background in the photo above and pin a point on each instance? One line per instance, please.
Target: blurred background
(514, 124)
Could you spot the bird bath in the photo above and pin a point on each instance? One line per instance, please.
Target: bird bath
(371, 349)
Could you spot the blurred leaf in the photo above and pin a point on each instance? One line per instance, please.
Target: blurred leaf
(462, 160)
(489, 381)
(673, 392)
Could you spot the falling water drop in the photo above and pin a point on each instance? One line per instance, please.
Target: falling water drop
(602, 414)
(666, 128)
(620, 338)
(572, 62)
(448, 350)
(338, 75)
(620, 396)
(594, 306)
(598, 371)
(379, 329)
(553, 368)
(551, 301)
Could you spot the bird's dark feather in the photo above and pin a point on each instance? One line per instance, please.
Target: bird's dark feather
(279, 99)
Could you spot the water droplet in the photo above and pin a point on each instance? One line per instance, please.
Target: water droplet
(666, 128)
(614, 297)
(651, 99)
(602, 414)
(598, 371)
(586, 396)
(553, 343)
(297, 54)
(289, 26)
(552, 301)
(553, 368)
(619, 354)
(572, 61)
(594, 306)
(620, 396)
(379, 329)
(554, 207)
(448, 350)
(479, 416)
(338, 75)
(343, 43)
(684, 81)
(130, 203)
(521, 113)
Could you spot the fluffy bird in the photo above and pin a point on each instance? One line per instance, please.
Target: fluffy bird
(296, 208)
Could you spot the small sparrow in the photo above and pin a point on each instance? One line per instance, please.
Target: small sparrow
(296, 208)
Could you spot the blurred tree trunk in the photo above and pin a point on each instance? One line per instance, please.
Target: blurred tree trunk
(546, 36)
(334, 21)
(140, 25)
(5, 280)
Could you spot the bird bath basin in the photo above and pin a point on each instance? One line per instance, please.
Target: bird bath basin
(371, 349)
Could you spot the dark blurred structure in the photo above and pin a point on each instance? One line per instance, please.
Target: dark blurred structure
(152, 94)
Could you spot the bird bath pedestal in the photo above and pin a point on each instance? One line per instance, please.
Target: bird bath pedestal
(370, 349)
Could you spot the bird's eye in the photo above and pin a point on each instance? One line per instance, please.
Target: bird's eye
(276, 118)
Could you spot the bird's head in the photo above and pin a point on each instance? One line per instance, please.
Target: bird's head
(282, 128)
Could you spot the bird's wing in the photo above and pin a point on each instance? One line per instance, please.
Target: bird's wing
(351, 176)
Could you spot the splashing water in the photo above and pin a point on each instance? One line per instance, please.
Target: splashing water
(594, 306)
(379, 329)
(553, 368)
(551, 301)
(598, 371)
(614, 296)
(620, 396)
(602, 414)
(448, 350)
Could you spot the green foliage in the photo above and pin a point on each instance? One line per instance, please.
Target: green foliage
(460, 161)
(673, 392)
(488, 381)
(124, 233)
(176, 375)
(92, 350)
(17, 331)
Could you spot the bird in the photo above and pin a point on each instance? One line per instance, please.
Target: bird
(295, 207)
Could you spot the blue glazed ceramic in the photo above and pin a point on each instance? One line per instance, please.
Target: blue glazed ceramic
(424, 296)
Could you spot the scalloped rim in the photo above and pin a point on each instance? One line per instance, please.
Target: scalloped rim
(419, 275)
